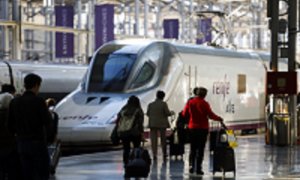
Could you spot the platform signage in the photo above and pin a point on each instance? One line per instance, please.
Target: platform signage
(171, 28)
(104, 24)
(282, 83)
(204, 31)
(64, 42)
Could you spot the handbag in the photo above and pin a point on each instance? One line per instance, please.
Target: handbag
(114, 137)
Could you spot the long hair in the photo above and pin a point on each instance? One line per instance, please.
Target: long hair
(133, 101)
(132, 104)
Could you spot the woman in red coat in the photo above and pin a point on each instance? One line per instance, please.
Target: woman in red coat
(198, 110)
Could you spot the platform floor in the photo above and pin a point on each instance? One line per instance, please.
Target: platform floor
(254, 161)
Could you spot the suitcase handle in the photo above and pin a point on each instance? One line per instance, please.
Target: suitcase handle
(223, 125)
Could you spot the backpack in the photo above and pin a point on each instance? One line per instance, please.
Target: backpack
(126, 124)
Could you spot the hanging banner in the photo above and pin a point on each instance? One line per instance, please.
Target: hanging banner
(171, 28)
(64, 42)
(104, 24)
(204, 31)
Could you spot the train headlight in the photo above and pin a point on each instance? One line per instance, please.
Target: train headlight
(112, 119)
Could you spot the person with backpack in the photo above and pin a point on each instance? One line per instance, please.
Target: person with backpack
(130, 126)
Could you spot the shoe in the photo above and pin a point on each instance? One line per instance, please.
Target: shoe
(191, 170)
(200, 172)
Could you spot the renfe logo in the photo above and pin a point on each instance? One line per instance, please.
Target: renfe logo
(221, 87)
(80, 118)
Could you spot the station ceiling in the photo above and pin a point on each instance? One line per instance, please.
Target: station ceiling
(231, 17)
(128, 2)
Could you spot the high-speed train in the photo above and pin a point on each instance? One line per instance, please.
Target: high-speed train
(235, 82)
(58, 79)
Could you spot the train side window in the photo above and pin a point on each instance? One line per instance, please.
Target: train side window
(241, 83)
(145, 75)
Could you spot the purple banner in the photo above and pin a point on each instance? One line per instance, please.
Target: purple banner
(64, 42)
(104, 24)
(204, 31)
(171, 28)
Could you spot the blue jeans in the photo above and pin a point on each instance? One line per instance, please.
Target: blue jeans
(34, 159)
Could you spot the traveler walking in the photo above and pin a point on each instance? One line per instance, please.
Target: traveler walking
(30, 121)
(130, 126)
(158, 112)
(10, 167)
(198, 110)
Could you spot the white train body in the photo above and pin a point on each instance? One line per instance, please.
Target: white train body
(58, 79)
(235, 82)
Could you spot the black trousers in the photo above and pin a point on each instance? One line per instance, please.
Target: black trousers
(10, 165)
(198, 138)
(126, 141)
(34, 159)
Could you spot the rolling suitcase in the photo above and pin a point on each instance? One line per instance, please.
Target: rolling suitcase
(138, 164)
(176, 146)
(54, 151)
(215, 136)
(222, 158)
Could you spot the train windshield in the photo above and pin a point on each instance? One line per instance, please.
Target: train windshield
(110, 72)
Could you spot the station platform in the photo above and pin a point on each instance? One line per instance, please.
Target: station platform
(254, 161)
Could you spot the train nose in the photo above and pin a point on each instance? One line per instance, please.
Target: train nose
(87, 118)
(85, 128)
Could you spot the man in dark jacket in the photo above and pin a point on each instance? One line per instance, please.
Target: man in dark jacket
(158, 112)
(30, 120)
(198, 110)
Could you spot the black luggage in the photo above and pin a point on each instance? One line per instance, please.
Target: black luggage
(176, 145)
(54, 151)
(182, 128)
(215, 138)
(222, 158)
(138, 164)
